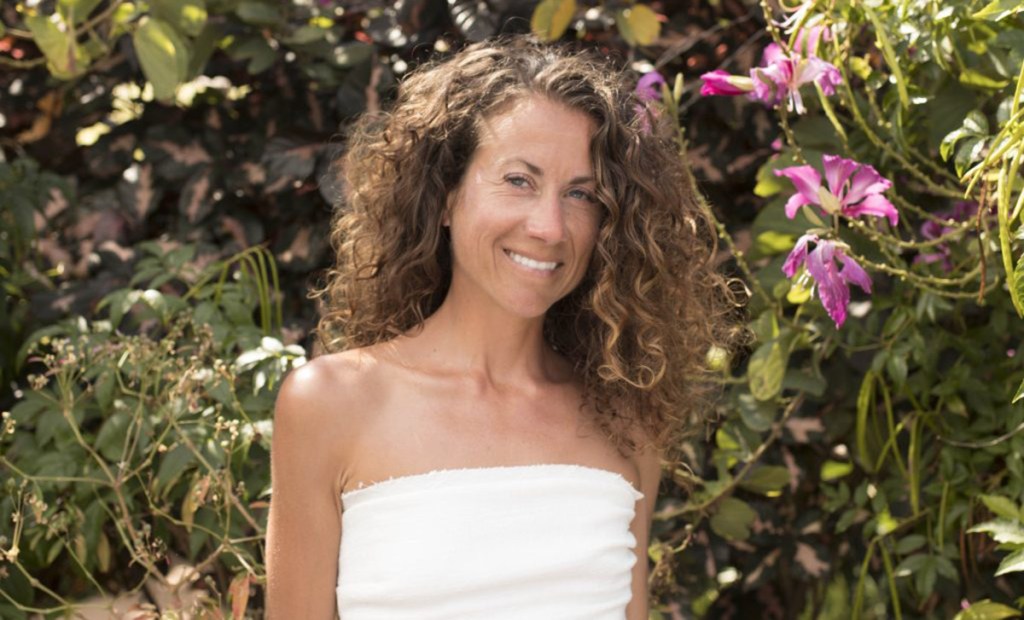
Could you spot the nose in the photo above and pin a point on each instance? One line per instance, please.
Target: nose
(546, 221)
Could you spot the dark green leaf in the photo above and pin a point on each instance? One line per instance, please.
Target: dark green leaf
(733, 519)
(767, 480)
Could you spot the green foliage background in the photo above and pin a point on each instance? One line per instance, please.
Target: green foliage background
(166, 178)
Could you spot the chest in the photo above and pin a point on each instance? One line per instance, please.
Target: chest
(416, 430)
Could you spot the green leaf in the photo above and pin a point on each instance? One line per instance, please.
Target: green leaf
(112, 436)
(1020, 393)
(258, 13)
(77, 10)
(766, 480)
(833, 470)
(1002, 506)
(1013, 563)
(772, 242)
(1002, 531)
(1018, 278)
(987, 610)
(56, 39)
(257, 51)
(163, 56)
(172, 466)
(970, 77)
(551, 18)
(766, 370)
(865, 406)
(188, 16)
(999, 9)
(733, 519)
(638, 25)
(910, 543)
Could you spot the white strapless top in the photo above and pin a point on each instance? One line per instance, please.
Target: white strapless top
(532, 542)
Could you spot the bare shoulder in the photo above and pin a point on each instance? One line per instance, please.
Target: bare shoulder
(324, 401)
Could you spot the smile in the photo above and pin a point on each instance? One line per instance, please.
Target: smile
(530, 263)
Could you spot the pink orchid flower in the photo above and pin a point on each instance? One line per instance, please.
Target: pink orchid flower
(648, 88)
(648, 91)
(778, 79)
(854, 189)
(782, 76)
(831, 282)
(720, 82)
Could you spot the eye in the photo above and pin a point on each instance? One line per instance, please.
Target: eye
(581, 194)
(517, 180)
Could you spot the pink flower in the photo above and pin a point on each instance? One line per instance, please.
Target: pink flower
(778, 79)
(648, 88)
(933, 230)
(831, 282)
(854, 189)
(720, 82)
(648, 91)
(782, 78)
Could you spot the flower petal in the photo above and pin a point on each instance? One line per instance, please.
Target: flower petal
(806, 180)
(797, 256)
(772, 54)
(853, 272)
(866, 181)
(768, 85)
(794, 203)
(876, 205)
(648, 88)
(837, 172)
(832, 288)
(720, 82)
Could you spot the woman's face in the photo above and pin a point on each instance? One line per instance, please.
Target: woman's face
(524, 219)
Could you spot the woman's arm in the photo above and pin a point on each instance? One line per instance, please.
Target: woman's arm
(648, 463)
(304, 529)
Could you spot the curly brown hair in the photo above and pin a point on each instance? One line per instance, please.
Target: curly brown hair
(639, 326)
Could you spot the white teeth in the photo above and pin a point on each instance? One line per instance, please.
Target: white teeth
(529, 262)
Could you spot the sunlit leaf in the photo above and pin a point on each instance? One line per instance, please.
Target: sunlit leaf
(833, 470)
(638, 24)
(987, 610)
(55, 37)
(551, 18)
(1002, 531)
(766, 369)
(163, 56)
(1013, 563)
(1002, 506)
(999, 9)
(188, 16)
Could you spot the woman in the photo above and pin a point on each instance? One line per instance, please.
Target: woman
(521, 303)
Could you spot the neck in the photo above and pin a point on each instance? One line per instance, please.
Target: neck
(485, 344)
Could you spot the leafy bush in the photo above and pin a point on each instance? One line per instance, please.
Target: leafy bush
(132, 454)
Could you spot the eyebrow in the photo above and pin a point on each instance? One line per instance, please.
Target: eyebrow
(534, 169)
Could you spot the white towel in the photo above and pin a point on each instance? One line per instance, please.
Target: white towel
(547, 541)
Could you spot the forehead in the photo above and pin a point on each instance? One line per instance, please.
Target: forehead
(539, 126)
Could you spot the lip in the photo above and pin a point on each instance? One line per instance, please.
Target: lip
(537, 272)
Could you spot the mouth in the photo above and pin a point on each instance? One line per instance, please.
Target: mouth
(533, 264)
